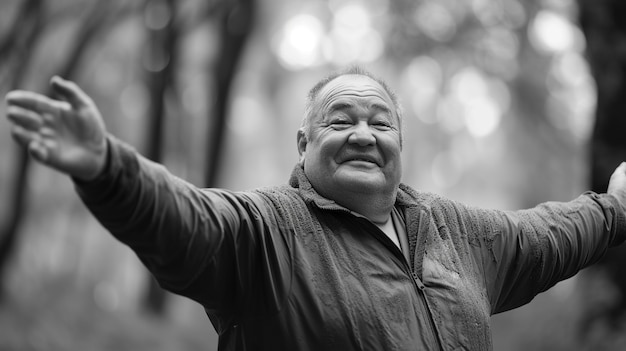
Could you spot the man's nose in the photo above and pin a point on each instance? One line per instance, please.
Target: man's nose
(362, 135)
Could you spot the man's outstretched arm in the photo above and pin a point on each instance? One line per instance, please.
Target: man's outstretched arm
(187, 237)
(68, 135)
(534, 249)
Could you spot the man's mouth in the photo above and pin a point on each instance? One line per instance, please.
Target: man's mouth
(361, 159)
(366, 159)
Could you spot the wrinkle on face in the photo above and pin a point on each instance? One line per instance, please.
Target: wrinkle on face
(370, 119)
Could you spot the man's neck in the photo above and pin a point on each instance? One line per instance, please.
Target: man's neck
(376, 207)
(375, 204)
(390, 230)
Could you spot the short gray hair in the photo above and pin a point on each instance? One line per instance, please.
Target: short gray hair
(351, 70)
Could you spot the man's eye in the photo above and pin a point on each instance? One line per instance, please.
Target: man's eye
(340, 122)
(382, 124)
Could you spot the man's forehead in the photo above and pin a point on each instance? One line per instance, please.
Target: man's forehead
(353, 85)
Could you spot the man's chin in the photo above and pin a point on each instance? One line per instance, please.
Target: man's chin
(361, 180)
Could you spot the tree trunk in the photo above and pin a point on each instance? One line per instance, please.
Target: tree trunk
(603, 24)
(236, 22)
(162, 52)
(31, 21)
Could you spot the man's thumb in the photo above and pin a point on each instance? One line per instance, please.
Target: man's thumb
(617, 182)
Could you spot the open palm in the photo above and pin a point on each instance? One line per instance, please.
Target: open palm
(67, 135)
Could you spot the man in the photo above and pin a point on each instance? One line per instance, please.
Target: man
(344, 257)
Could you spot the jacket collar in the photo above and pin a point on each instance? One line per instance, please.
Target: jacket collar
(300, 181)
(415, 212)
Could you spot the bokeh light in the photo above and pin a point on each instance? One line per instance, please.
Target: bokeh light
(300, 42)
(157, 15)
(480, 109)
(552, 32)
(423, 79)
(572, 96)
(305, 42)
(435, 21)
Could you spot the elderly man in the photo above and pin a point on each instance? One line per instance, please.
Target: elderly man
(344, 257)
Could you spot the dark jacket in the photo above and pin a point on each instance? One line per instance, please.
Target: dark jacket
(282, 268)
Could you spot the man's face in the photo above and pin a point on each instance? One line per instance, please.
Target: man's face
(353, 140)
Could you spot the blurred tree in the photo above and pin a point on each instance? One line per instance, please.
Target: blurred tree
(491, 40)
(17, 47)
(234, 25)
(605, 29)
(236, 19)
(160, 56)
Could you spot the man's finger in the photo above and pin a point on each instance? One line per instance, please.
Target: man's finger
(23, 136)
(39, 147)
(71, 92)
(24, 118)
(32, 101)
(38, 150)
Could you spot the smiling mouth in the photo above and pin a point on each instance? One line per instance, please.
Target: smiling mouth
(362, 160)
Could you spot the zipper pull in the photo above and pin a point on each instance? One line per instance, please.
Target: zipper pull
(417, 279)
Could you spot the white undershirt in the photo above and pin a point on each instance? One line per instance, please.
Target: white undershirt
(395, 230)
(389, 229)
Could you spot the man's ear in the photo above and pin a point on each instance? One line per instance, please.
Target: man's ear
(302, 141)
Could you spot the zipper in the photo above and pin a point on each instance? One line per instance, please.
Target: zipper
(422, 296)
(417, 282)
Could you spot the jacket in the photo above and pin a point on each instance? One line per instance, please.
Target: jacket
(282, 268)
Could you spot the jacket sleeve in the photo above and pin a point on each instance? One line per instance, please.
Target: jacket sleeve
(532, 250)
(200, 243)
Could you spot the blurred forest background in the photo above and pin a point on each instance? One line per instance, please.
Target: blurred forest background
(508, 103)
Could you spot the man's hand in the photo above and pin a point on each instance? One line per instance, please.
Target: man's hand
(68, 136)
(617, 184)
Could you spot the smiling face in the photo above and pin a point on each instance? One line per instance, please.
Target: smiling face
(353, 139)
